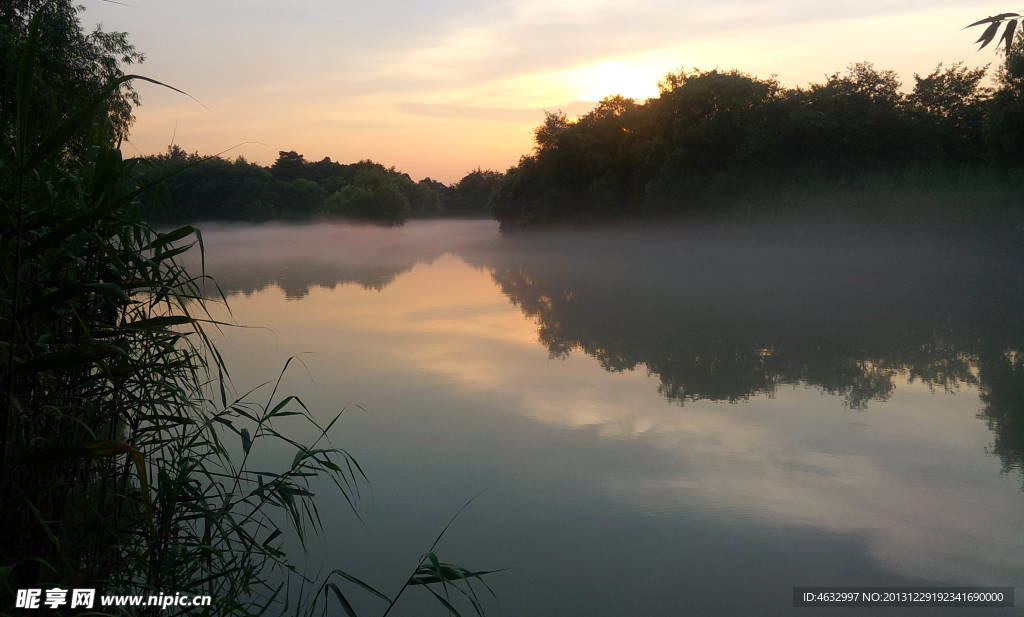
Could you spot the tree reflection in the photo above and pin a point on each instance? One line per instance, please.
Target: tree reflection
(1002, 392)
(727, 319)
(295, 258)
(714, 315)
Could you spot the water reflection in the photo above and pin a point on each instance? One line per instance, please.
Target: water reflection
(1002, 379)
(720, 318)
(844, 461)
(297, 257)
(715, 315)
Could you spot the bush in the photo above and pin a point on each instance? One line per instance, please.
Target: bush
(371, 196)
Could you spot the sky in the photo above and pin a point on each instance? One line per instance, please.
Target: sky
(440, 88)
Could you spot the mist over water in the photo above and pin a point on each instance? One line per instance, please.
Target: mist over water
(663, 420)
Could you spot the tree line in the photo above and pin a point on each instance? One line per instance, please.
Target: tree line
(199, 187)
(711, 143)
(713, 139)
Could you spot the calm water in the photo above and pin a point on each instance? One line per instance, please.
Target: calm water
(661, 422)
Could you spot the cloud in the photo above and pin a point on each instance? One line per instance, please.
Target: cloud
(508, 39)
(321, 76)
(498, 114)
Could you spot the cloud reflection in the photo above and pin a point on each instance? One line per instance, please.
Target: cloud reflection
(899, 488)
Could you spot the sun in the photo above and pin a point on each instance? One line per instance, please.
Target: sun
(611, 77)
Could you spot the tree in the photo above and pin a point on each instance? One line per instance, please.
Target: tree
(949, 92)
(299, 198)
(471, 196)
(953, 100)
(547, 134)
(862, 79)
(1004, 122)
(373, 195)
(71, 66)
(289, 166)
(716, 139)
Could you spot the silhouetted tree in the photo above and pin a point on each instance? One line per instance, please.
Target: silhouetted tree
(212, 188)
(716, 139)
(471, 196)
(300, 198)
(1004, 122)
(953, 101)
(372, 195)
(76, 65)
(289, 166)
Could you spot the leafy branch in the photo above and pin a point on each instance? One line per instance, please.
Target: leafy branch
(1010, 20)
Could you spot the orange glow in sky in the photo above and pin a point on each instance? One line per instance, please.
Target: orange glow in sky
(440, 88)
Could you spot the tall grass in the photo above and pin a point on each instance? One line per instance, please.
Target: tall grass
(124, 452)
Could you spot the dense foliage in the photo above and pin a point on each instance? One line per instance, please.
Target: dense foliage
(213, 188)
(72, 66)
(124, 452)
(114, 470)
(714, 138)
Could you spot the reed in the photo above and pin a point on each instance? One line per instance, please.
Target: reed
(124, 450)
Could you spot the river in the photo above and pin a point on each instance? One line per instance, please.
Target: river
(653, 421)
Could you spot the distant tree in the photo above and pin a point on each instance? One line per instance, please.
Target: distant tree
(174, 154)
(289, 166)
(424, 199)
(704, 129)
(212, 188)
(949, 92)
(373, 195)
(547, 134)
(299, 198)
(863, 79)
(440, 194)
(953, 100)
(471, 196)
(716, 138)
(200, 188)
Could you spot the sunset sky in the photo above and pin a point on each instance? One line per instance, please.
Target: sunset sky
(439, 88)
